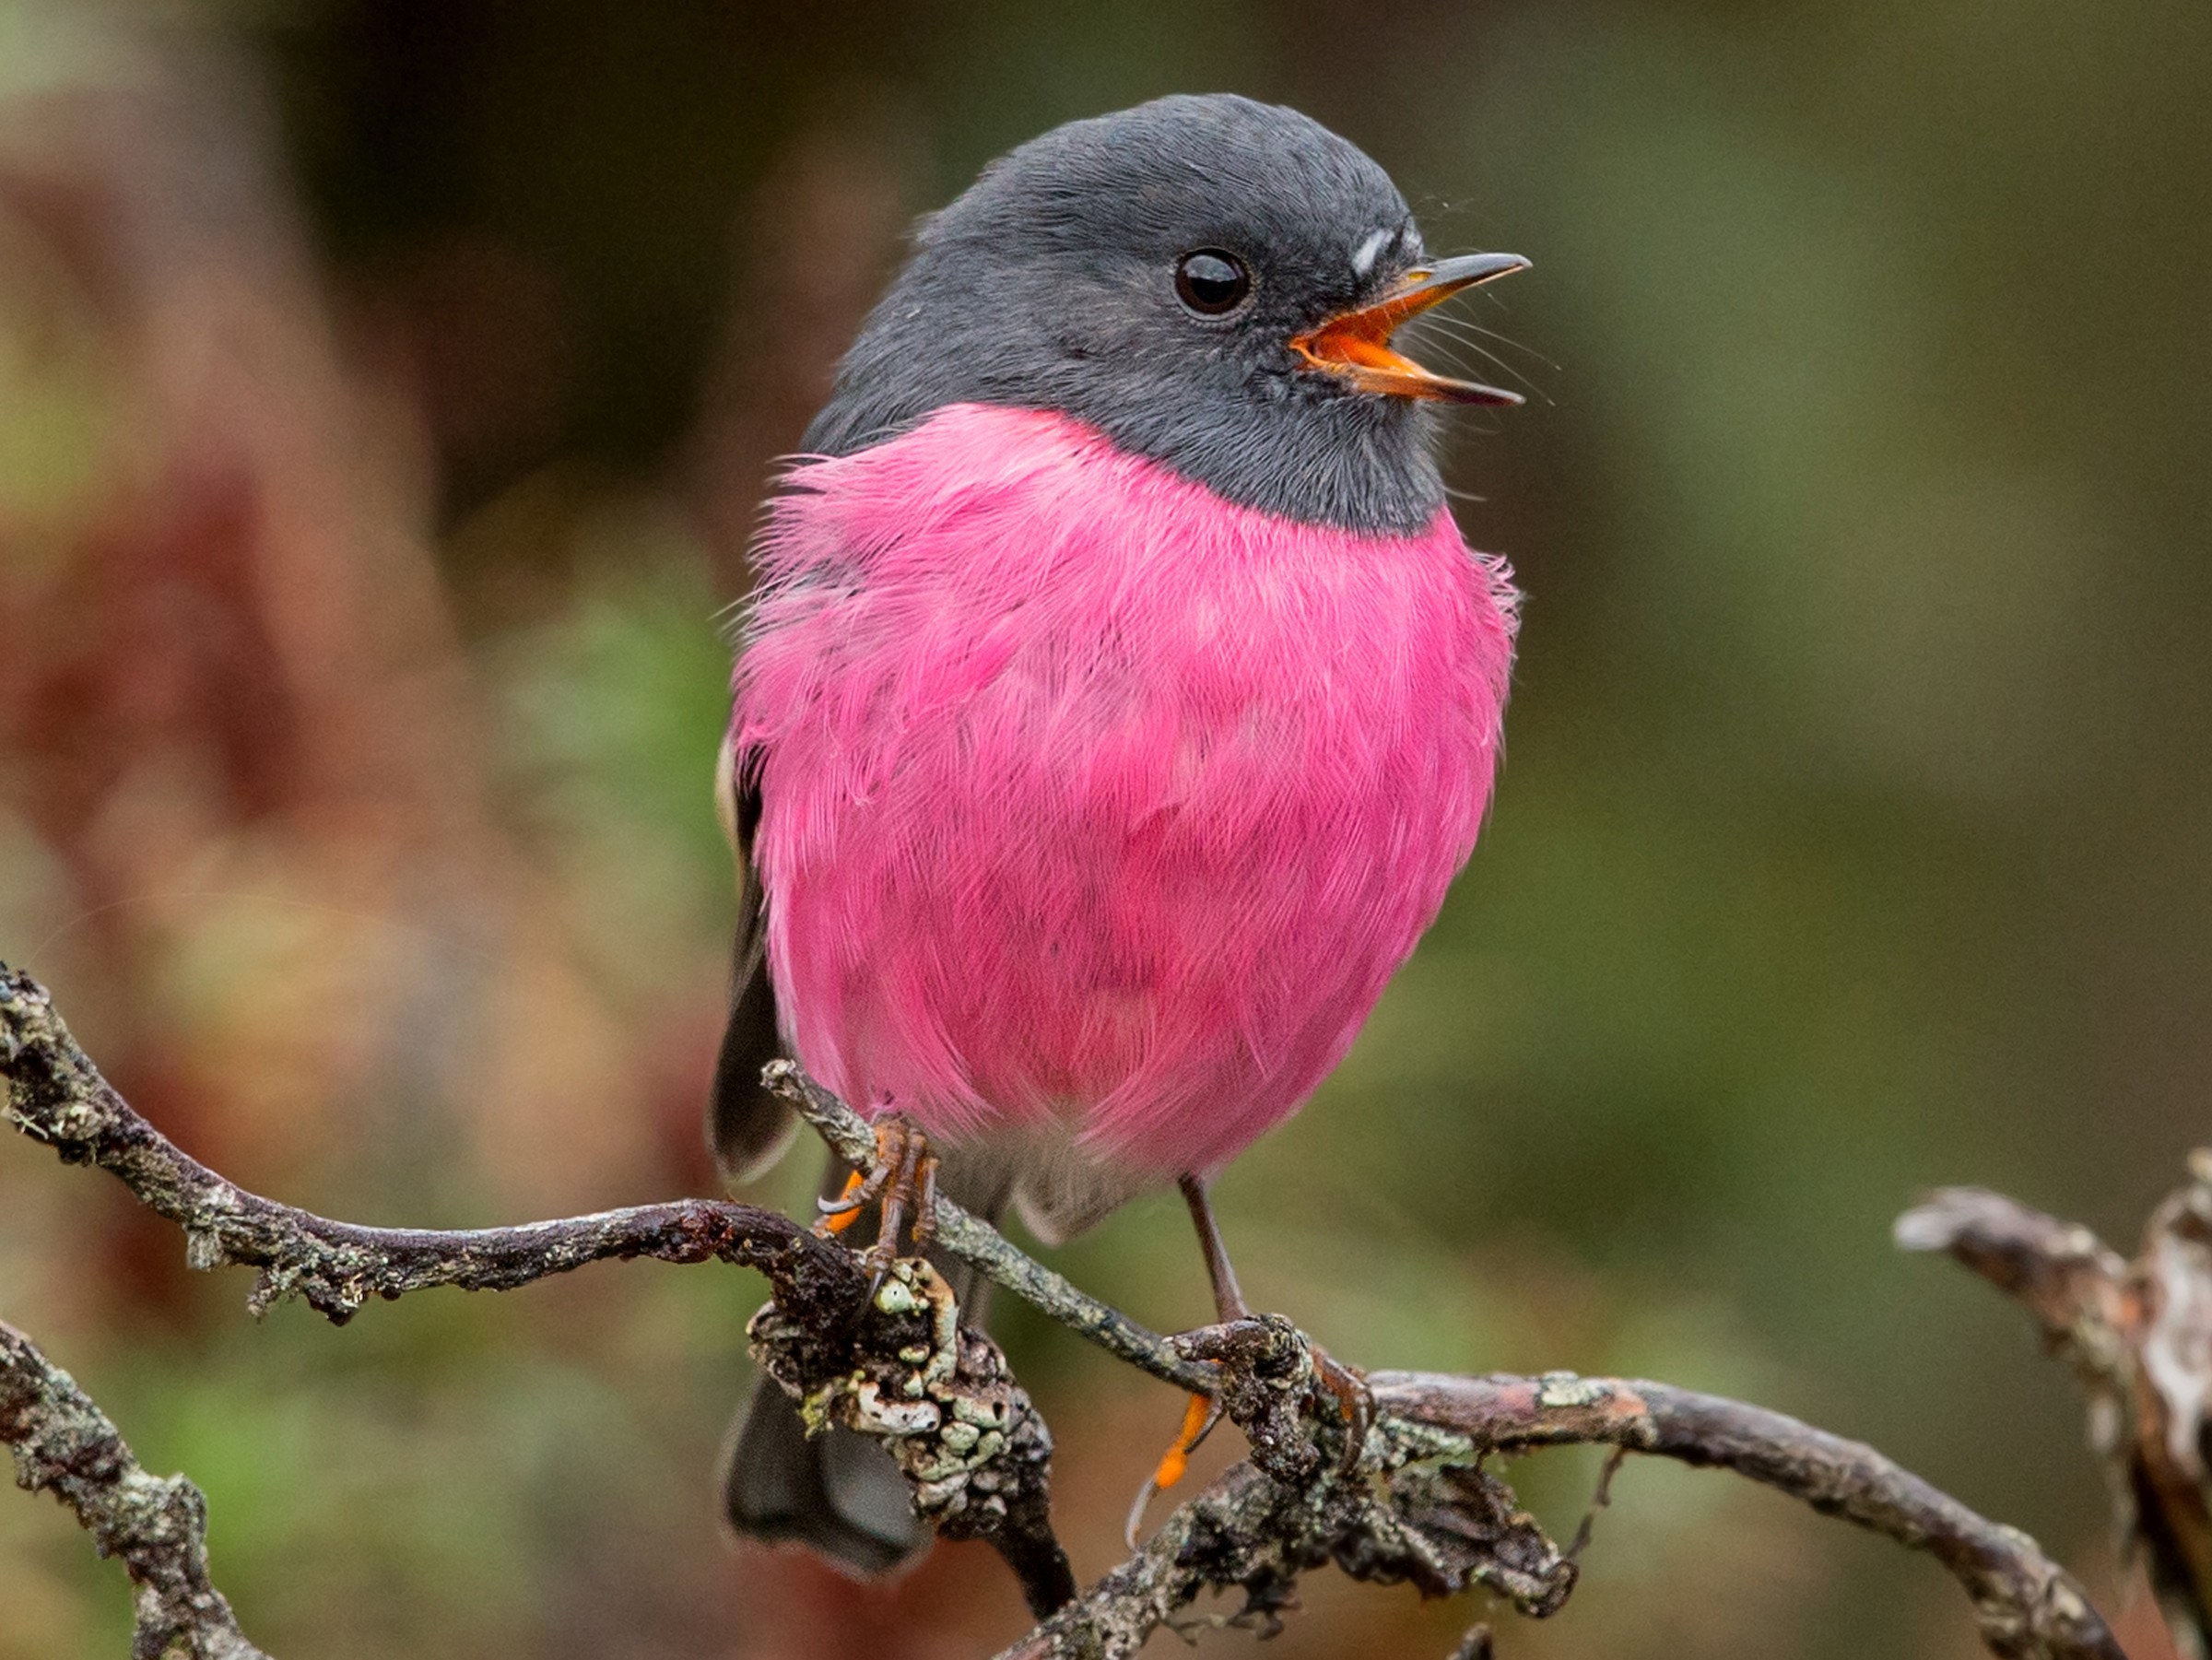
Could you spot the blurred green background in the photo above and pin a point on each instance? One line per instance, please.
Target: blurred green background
(385, 392)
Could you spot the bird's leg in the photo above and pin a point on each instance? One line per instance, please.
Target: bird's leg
(904, 1150)
(903, 1178)
(1345, 1385)
(925, 1205)
(1228, 1299)
(1201, 1412)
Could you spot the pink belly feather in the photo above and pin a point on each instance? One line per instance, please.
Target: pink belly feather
(1089, 794)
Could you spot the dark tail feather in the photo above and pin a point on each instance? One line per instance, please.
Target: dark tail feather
(840, 1492)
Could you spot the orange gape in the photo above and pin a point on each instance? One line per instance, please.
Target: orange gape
(1356, 344)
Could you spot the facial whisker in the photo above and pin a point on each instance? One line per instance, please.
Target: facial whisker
(1507, 340)
(1460, 329)
(1446, 328)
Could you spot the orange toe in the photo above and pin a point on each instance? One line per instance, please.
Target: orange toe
(837, 1222)
(1197, 1412)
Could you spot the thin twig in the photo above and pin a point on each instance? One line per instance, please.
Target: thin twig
(2073, 1283)
(55, 1095)
(64, 1445)
(2027, 1605)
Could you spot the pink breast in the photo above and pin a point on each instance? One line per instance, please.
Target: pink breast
(1088, 794)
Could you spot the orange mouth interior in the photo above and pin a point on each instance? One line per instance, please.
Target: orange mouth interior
(1355, 346)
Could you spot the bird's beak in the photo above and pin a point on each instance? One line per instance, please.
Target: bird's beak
(1355, 345)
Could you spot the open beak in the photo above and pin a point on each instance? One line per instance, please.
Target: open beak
(1355, 345)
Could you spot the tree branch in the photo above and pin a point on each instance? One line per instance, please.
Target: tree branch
(974, 1446)
(2139, 1336)
(1423, 1508)
(2026, 1606)
(56, 1096)
(1410, 1500)
(64, 1445)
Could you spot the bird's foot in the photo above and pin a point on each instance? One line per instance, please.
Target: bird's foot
(902, 1180)
(1241, 1346)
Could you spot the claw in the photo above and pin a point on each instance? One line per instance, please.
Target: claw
(1355, 1400)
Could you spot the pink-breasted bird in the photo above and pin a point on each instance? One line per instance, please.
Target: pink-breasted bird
(1118, 700)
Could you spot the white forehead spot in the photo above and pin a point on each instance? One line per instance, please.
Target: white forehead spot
(1363, 256)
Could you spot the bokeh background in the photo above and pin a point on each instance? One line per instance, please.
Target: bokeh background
(385, 392)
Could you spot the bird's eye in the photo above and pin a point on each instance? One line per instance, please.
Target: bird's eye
(1212, 281)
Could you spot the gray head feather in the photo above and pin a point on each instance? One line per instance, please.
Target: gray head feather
(1049, 283)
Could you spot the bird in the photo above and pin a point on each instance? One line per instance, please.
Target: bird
(1116, 700)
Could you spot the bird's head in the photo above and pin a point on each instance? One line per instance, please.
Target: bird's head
(1212, 282)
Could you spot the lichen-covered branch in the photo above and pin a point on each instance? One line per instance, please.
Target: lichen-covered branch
(1413, 1505)
(1421, 1507)
(944, 1403)
(2029, 1609)
(2139, 1336)
(828, 1332)
(64, 1445)
(1404, 1497)
(56, 1096)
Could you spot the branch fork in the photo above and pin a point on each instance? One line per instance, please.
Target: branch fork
(2138, 1338)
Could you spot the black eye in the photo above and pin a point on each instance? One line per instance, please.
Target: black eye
(1212, 281)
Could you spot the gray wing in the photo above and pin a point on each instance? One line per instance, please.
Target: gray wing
(747, 1126)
